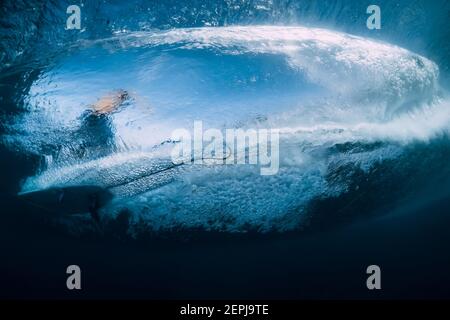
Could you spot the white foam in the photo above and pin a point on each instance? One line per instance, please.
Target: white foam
(368, 91)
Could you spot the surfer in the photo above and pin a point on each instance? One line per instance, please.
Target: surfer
(110, 103)
(96, 133)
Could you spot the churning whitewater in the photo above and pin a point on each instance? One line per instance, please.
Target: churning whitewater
(322, 89)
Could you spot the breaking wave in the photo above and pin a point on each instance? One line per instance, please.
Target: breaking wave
(344, 105)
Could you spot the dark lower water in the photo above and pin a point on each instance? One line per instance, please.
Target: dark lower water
(411, 247)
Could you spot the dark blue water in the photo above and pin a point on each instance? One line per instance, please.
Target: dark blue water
(364, 143)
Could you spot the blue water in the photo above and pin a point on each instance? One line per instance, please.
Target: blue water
(363, 118)
(320, 88)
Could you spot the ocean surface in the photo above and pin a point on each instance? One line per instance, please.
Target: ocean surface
(363, 116)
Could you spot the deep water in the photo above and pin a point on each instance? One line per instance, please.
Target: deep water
(364, 122)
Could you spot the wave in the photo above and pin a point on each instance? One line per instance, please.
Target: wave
(420, 26)
(323, 89)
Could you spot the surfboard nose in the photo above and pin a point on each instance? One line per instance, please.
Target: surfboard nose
(68, 200)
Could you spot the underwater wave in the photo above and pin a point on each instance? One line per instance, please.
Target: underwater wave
(345, 106)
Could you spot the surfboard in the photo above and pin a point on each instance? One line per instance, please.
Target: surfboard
(69, 200)
(82, 199)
